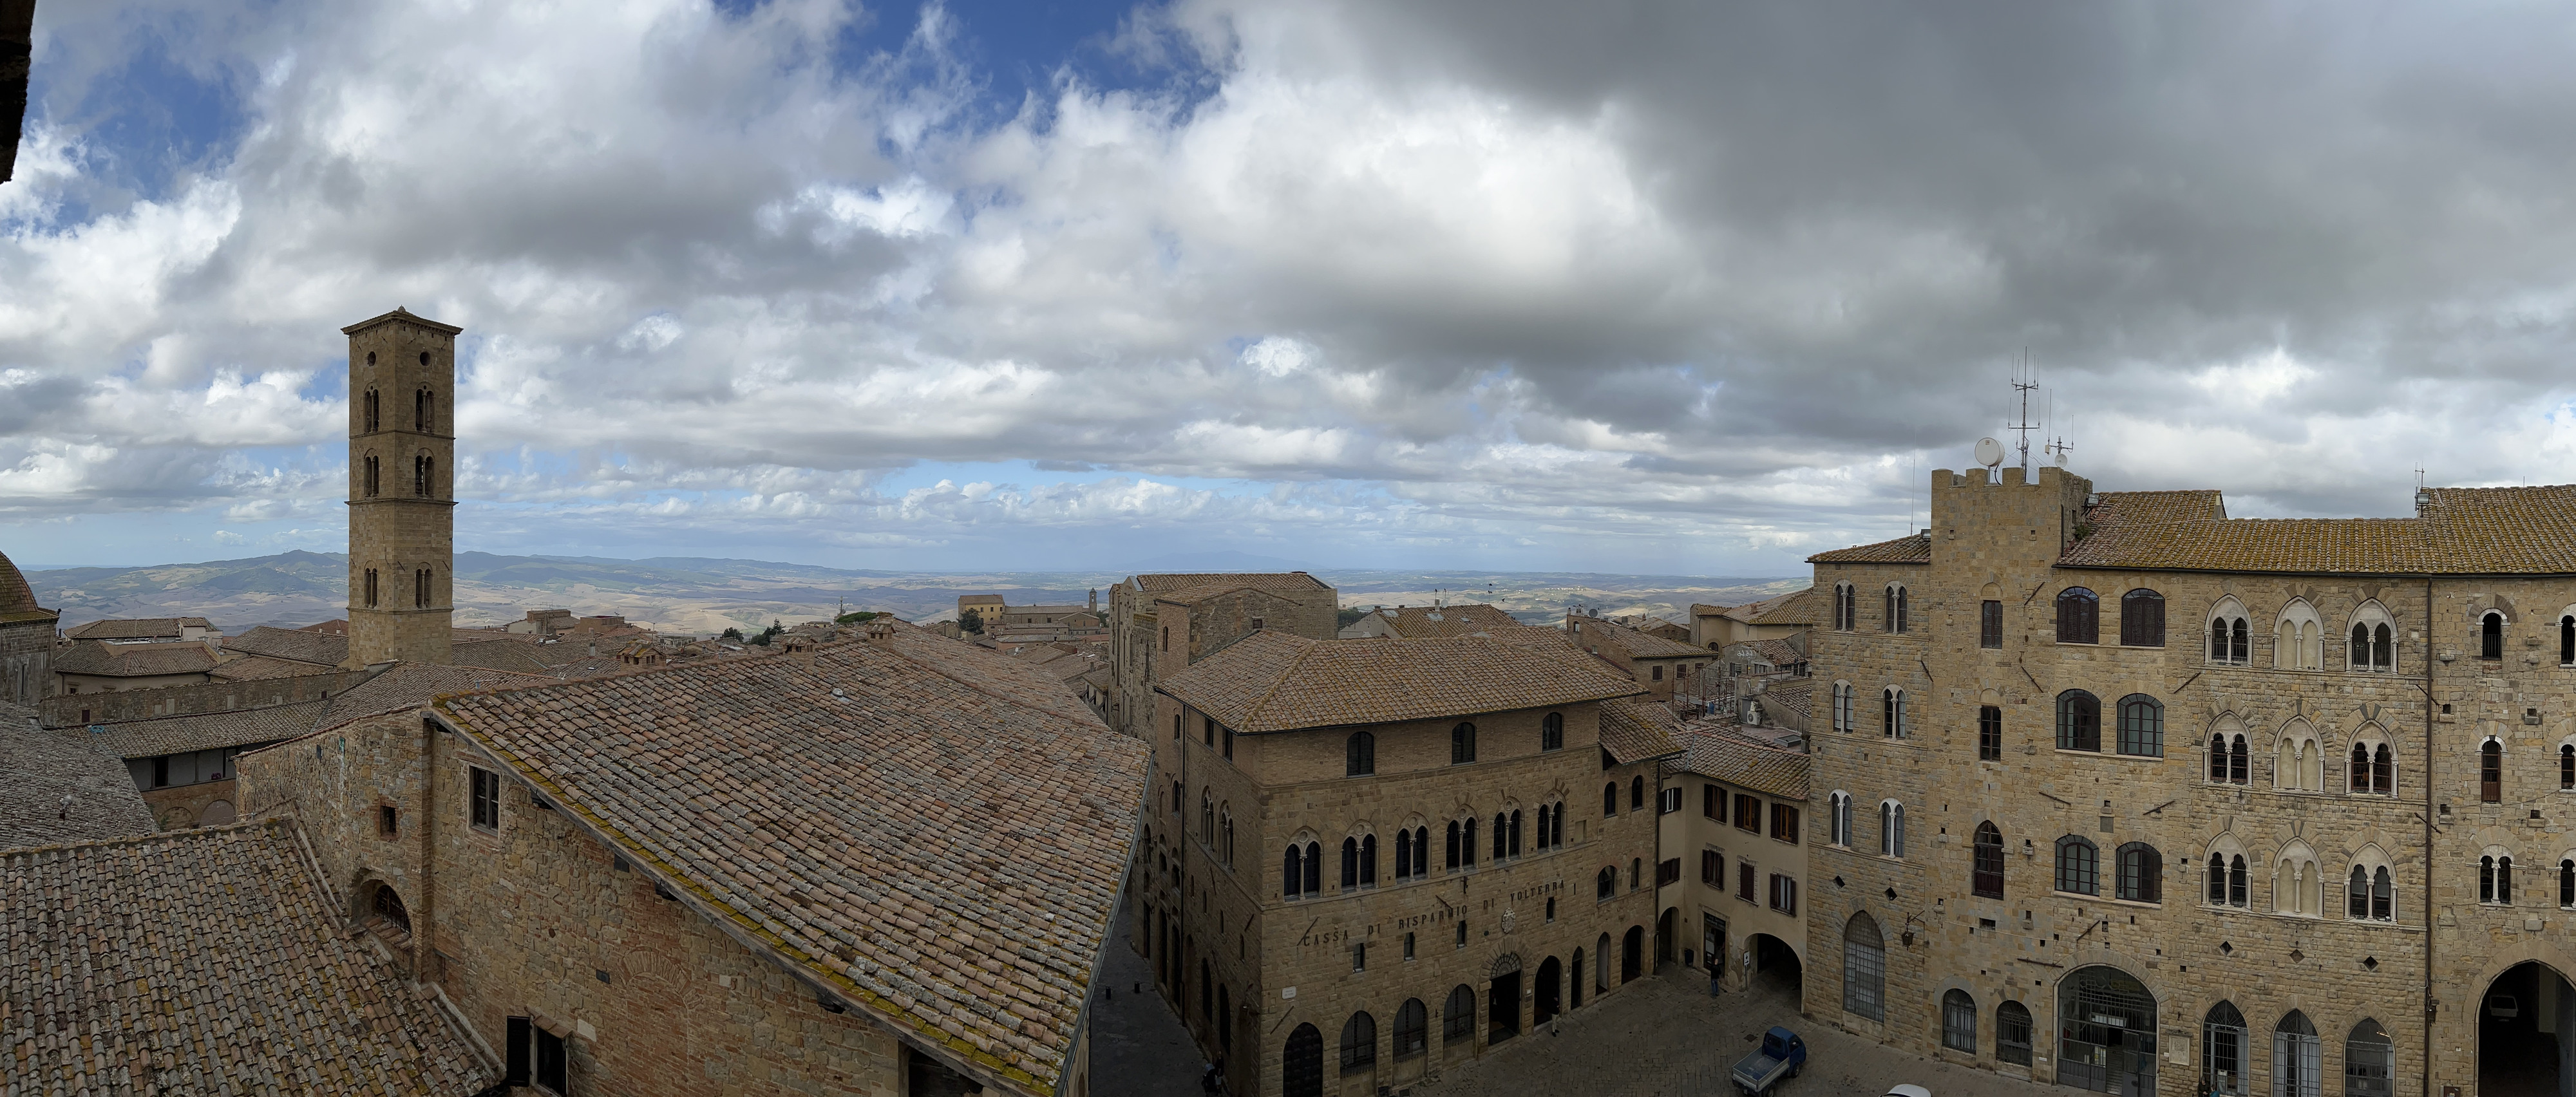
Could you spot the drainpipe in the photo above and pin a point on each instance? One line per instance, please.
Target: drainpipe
(2430, 703)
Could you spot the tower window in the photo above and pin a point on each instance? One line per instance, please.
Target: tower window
(420, 589)
(420, 475)
(374, 418)
(369, 484)
(423, 410)
(371, 588)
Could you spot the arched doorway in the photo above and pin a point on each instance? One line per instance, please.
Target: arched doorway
(2106, 1033)
(1503, 1000)
(1664, 935)
(1776, 969)
(1301, 1073)
(1545, 1008)
(2516, 1055)
(1632, 954)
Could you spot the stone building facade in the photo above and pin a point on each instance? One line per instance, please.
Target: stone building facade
(774, 918)
(402, 488)
(1347, 886)
(1161, 624)
(1661, 664)
(2126, 794)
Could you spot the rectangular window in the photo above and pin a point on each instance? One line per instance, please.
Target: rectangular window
(1207, 731)
(1359, 957)
(1668, 801)
(518, 1051)
(161, 772)
(1784, 823)
(1784, 894)
(1712, 868)
(1229, 742)
(1712, 802)
(1990, 733)
(1990, 624)
(385, 820)
(487, 798)
(1744, 877)
(1748, 813)
(550, 1062)
(1668, 871)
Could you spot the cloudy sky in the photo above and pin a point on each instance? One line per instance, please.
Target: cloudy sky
(1681, 287)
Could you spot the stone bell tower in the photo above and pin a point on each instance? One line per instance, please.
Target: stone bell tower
(402, 497)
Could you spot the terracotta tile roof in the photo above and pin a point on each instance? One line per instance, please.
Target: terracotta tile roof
(1634, 730)
(159, 735)
(1289, 583)
(39, 768)
(140, 628)
(205, 961)
(2458, 531)
(17, 599)
(893, 816)
(134, 660)
(1597, 633)
(412, 685)
(253, 668)
(1795, 694)
(278, 643)
(507, 655)
(1911, 549)
(1778, 653)
(1422, 622)
(1803, 607)
(1274, 681)
(1718, 752)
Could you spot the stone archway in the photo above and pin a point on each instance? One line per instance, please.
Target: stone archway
(2106, 1032)
(2526, 1019)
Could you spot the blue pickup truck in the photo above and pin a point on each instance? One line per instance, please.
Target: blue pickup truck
(1781, 1055)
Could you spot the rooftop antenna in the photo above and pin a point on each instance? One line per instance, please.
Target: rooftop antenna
(2022, 384)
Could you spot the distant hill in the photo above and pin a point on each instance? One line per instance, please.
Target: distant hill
(706, 595)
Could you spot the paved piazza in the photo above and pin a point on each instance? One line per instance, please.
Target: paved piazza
(1690, 1040)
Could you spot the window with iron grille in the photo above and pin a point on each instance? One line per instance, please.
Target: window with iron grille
(1990, 733)
(1990, 624)
(487, 799)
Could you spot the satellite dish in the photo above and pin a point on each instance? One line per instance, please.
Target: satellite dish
(1989, 452)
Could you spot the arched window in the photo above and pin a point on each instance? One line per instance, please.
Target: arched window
(1412, 1029)
(2298, 883)
(1606, 883)
(424, 411)
(2230, 640)
(2298, 638)
(421, 475)
(2297, 1068)
(2298, 763)
(420, 589)
(1637, 793)
(1360, 755)
(1610, 799)
(2012, 1033)
(1458, 1015)
(2363, 895)
(1551, 732)
(1842, 706)
(2079, 721)
(1846, 609)
(1540, 837)
(2142, 873)
(1225, 832)
(2491, 772)
(371, 476)
(2142, 726)
(1516, 833)
(2567, 882)
(2495, 879)
(2217, 759)
(2369, 1061)
(2567, 640)
(2370, 648)
(1462, 744)
(2079, 864)
(2567, 766)
(1404, 863)
(1359, 1042)
(1892, 713)
(1894, 619)
(1891, 829)
(2491, 636)
(1207, 817)
(1292, 872)
(1839, 807)
(1958, 1021)
(1502, 833)
(1986, 875)
(2079, 616)
(372, 419)
(1864, 968)
(1350, 863)
(1556, 831)
(2142, 619)
(2222, 1050)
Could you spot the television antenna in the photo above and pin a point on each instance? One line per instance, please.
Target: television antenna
(2022, 384)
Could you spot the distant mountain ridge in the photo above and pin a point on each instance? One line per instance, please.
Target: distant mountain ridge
(689, 594)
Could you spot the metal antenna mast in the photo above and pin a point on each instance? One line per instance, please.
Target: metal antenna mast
(2022, 384)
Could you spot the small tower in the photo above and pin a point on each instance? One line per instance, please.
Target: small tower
(402, 497)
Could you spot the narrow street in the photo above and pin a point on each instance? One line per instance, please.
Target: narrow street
(1138, 1048)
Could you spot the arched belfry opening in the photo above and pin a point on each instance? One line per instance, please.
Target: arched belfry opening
(2526, 1030)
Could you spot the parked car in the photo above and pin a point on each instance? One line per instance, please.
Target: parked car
(1781, 1055)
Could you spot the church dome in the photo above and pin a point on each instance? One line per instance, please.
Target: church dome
(16, 597)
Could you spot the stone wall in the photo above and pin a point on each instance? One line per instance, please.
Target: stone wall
(27, 661)
(78, 710)
(2278, 952)
(536, 919)
(1282, 963)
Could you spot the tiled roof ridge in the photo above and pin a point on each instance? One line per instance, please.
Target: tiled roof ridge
(134, 720)
(134, 839)
(733, 917)
(1286, 672)
(1856, 553)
